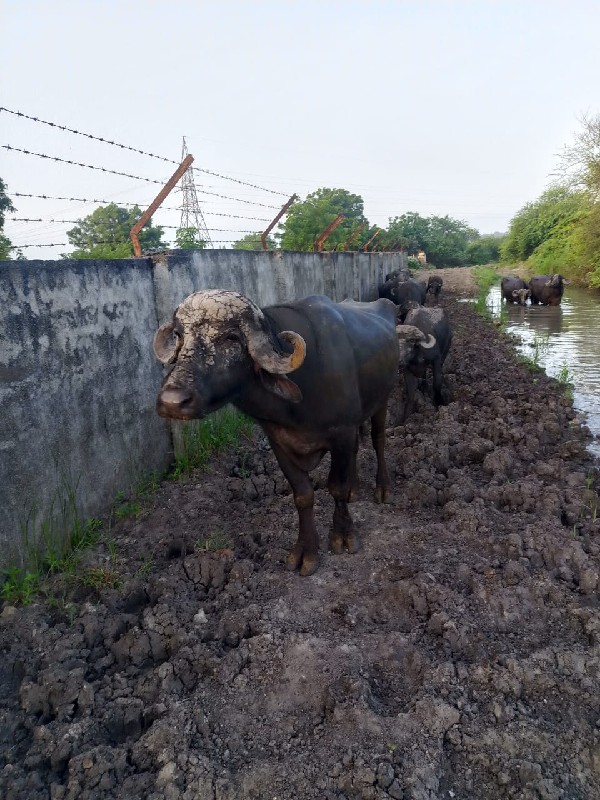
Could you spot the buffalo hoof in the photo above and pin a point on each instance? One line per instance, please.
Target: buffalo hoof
(336, 543)
(383, 495)
(310, 564)
(294, 559)
(354, 494)
(307, 563)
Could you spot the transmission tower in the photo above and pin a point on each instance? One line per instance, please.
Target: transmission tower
(191, 216)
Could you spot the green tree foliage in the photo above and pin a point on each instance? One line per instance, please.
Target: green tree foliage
(188, 239)
(552, 215)
(306, 220)
(5, 205)
(579, 163)
(105, 234)
(444, 240)
(252, 241)
(484, 250)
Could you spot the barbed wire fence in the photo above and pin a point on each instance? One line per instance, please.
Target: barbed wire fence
(34, 229)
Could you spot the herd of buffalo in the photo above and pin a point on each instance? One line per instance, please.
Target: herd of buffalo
(344, 361)
(546, 290)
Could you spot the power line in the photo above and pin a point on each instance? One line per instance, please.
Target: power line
(125, 174)
(66, 244)
(139, 205)
(136, 150)
(157, 225)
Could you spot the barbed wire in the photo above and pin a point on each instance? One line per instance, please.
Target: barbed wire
(139, 205)
(66, 244)
(79, 164)
(156, 225)
(126, 174)
(136, 150)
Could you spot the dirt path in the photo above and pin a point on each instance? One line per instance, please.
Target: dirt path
(458, 280)
(456, 656)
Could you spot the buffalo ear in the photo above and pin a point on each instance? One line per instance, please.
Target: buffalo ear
(281, 386)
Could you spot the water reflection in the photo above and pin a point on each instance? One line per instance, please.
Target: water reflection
(565, 340)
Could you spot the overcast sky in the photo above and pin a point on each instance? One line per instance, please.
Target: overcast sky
(438, 107)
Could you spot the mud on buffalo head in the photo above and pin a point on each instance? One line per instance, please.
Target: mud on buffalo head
(216, 339)
(410, 339)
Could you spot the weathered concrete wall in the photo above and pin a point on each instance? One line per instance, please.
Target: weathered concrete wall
(270, 277)
(77, 375)
(78, 378)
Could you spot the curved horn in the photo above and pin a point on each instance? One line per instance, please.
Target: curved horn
(260, 347)
(429, 342)
(165, 345)
(515, 293)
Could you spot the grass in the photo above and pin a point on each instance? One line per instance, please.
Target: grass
(565, 378)
(539, 347)
(199, 440)
(55, 545)
(485, 278)
(213, 542)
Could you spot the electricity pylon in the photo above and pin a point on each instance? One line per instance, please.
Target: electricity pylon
(191, 215)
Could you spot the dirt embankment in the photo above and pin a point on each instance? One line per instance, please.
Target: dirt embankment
(456, 656)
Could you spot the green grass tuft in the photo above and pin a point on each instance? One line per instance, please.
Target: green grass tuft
(201, 439)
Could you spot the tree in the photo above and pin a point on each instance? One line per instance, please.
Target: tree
(484, 250)
(579, 163)
(252, 241)
(309, 218)
(537, 222)
(105, 234)
(444, 239)
(6, 245)
(188, 239)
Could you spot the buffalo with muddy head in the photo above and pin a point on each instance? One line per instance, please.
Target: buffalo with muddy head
(425, 339)
(515, 290)
(547, 289)
(343, 362)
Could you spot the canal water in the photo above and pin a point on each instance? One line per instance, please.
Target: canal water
(565, 341)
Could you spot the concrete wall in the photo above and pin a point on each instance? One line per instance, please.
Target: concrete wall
(78, 378)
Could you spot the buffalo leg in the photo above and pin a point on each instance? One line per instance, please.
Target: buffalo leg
(305, 553)
(341, 480)
(355, 483)
(382, 478)
(438, 397)
(410, 391)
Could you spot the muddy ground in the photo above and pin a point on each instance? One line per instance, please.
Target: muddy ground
(456, 656)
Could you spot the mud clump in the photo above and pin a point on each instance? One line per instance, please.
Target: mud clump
(457, 655)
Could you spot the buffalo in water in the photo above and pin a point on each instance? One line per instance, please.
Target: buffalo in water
(547, 289)
(344, 359)
(515, 290)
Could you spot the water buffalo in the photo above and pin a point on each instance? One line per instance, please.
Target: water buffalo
(515, 290)
(403, 293)
(547, 289)
(428, 352)
(402, 273)
(344, 360)
(434, 286)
